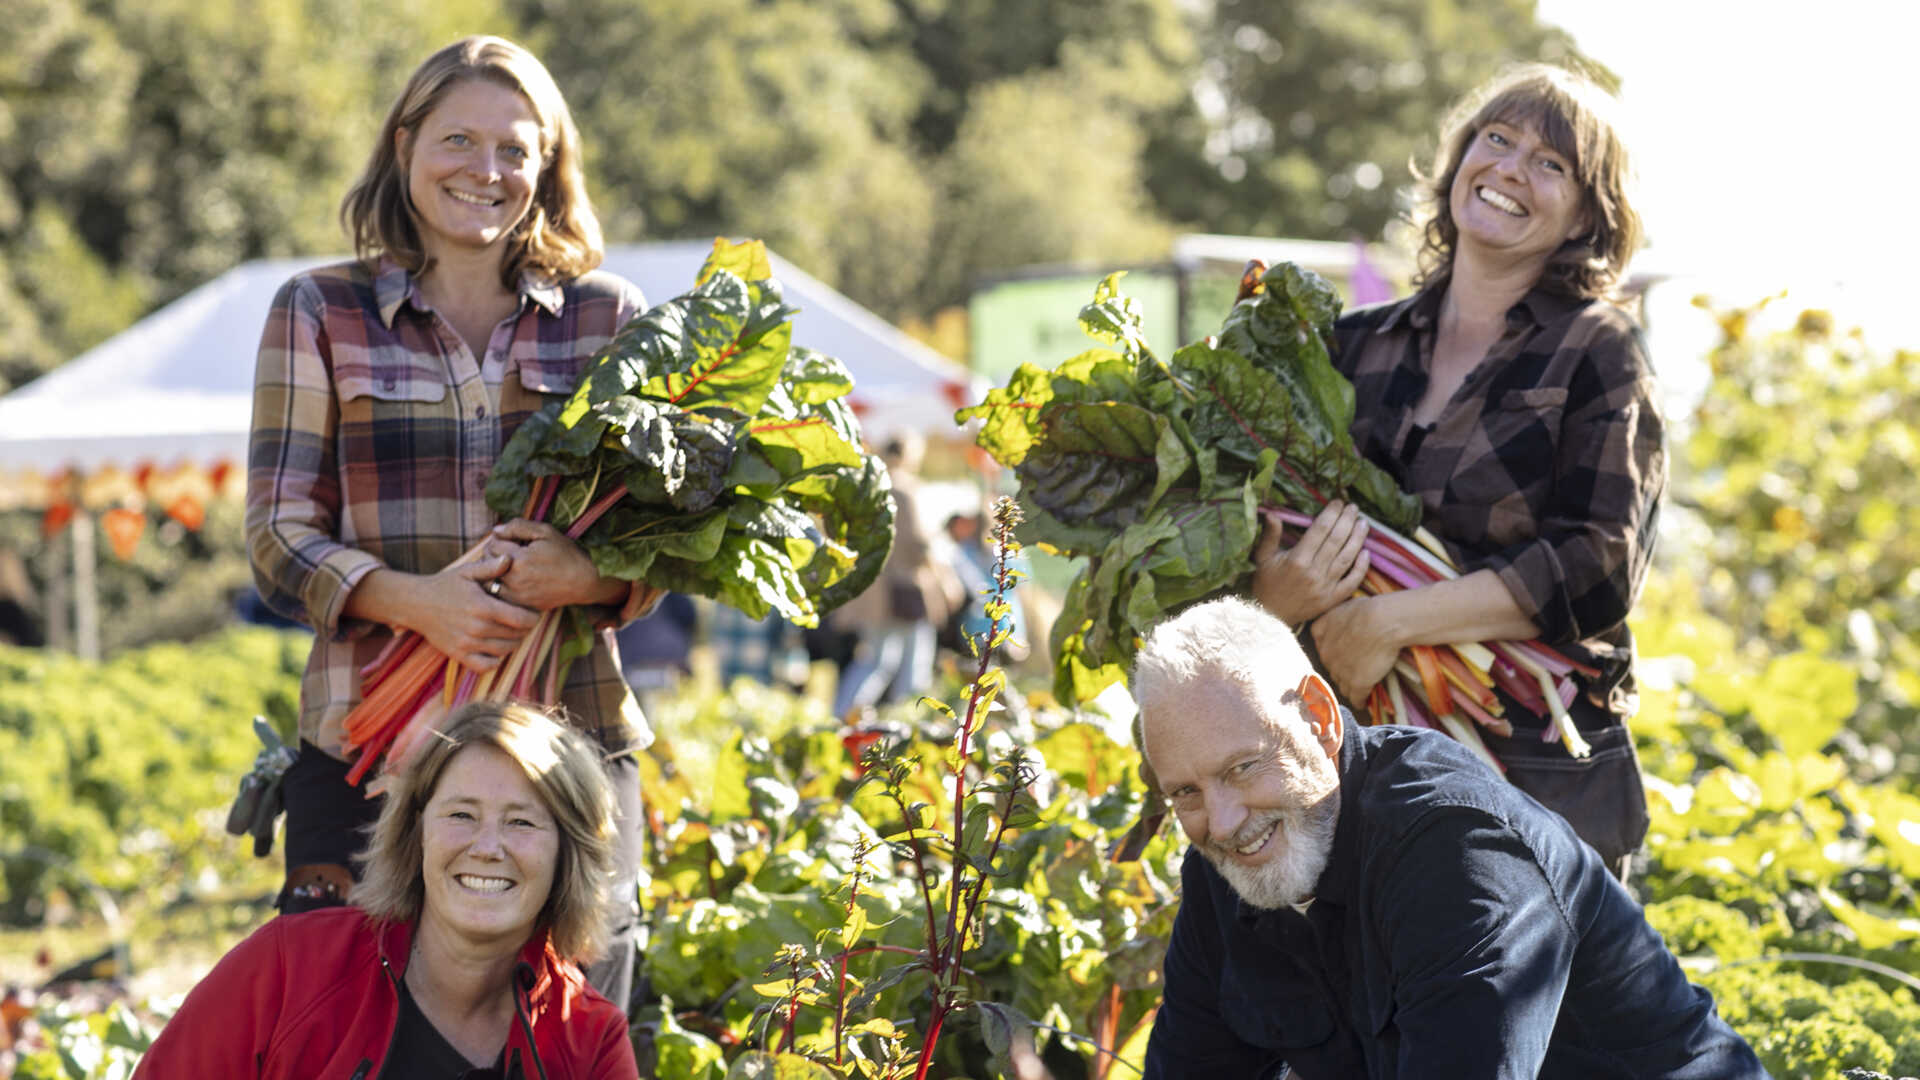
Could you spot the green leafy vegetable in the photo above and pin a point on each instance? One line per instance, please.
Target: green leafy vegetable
(1156, 472)
(739, 458)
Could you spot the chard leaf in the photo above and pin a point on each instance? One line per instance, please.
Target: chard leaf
(739, 374)
(1045, 530)
(625, 543)
(795, 446)
(814, 378)
(777, 523)
(739, 453)
(1115, 318)
(1078, 677)
(855, 513)
(1286, 331)
(1012, 417)
(1098, 463)
(747, 261)
(678, 458)
(749, 574)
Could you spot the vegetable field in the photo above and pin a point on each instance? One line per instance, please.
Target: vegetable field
(803, 893)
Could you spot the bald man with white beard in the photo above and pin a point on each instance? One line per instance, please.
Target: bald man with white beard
(1375, 902)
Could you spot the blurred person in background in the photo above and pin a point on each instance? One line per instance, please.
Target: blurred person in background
(385, 388)
(898, 617)
(487, 878)
(1513, 395)
(656, 651)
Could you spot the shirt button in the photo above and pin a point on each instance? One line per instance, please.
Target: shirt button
(479, 412)
(387, 383)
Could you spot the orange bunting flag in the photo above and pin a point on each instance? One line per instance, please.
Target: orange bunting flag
(55, 519)
(123, 528)
(188, 511)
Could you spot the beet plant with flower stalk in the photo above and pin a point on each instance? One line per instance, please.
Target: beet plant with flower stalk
(1159, 473)
(703, 453)
(952, 848)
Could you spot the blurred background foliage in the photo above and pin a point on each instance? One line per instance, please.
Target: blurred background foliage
(897, 149)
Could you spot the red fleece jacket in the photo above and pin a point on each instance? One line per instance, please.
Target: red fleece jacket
(317, 995)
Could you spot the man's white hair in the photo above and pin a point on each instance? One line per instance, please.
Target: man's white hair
(1229, 639)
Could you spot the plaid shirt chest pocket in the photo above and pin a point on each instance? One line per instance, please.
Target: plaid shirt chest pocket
(536, 380)
(397, 418)
(1509, 460)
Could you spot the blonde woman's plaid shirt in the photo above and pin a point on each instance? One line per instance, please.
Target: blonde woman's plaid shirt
(374, 431)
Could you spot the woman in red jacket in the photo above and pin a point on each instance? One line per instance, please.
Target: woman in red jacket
(485, 882)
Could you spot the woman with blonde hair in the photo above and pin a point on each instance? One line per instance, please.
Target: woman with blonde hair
(486, 879)
(385, 389)
(1513, 395)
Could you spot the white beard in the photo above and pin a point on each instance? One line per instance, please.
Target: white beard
(1289, 875)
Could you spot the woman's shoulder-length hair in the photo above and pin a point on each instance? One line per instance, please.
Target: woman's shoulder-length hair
(572, 784)
(557, 241)
(1579, 120)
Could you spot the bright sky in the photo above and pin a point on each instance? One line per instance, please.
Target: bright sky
(1776, 141)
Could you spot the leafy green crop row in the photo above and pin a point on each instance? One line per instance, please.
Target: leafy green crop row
(116, 776)
(1778, 877)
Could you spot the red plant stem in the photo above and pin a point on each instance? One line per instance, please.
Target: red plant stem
(551, 692)
(979, 887)
(548, 487)
(379, 743)
(1388, 540)
(533, 497)
(382, 665)
(938, 1017)
(960, 820)
(926, 892)
(1109, 1026)
(840, 1010)
(465, 689)
(592, 513)
(793, 1009)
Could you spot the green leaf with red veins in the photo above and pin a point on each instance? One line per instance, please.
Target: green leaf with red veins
(803, 444)
(1100, 463)
(1011, 416)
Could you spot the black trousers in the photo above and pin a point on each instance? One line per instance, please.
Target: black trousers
(328, 821)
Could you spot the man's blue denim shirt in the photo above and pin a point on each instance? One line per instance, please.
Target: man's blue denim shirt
(1460, 931)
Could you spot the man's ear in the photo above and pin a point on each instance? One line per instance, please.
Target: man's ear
(1323, 713)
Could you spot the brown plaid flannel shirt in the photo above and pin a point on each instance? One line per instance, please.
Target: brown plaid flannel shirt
(374, 430)
(1547, 466)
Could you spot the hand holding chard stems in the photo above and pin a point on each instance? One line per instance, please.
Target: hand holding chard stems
(412, 683)
(1427, 685)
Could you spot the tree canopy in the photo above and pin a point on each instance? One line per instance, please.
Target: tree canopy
(898, 149)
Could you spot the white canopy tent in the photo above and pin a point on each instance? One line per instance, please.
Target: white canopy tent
(177, 386)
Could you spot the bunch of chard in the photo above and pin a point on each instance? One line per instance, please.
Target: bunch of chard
(702, 453)
(1158, 473)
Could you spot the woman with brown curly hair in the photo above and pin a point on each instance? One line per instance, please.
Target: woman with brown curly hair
(1513, 395)
(385, 389)
(486, 879)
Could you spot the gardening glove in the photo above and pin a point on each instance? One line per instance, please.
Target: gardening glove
(261, 799)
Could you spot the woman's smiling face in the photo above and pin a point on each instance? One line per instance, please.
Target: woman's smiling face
(1514, 196)
(473, 165)
(489, 849)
